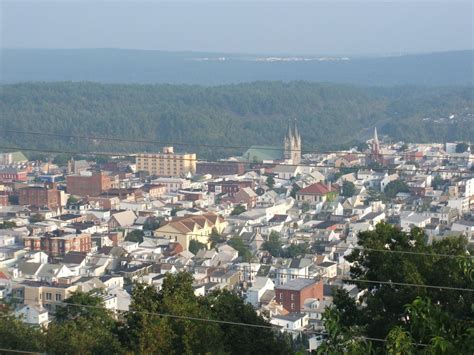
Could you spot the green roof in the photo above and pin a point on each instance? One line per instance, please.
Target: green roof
(263, 152)
(17, 157)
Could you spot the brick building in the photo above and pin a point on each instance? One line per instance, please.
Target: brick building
(58, 244)
(229, 187)
(8, 174)
(40, 196)
(220, 168)
(292, 294)
(88, 185)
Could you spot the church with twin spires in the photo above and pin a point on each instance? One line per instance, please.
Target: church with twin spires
(292, 144)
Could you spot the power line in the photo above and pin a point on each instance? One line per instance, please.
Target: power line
(439, 255)
(357, 167)
(18, 351)
(167, 315)
(439, 287)
(213, 146)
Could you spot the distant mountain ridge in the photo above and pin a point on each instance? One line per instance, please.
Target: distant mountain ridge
(155, 67)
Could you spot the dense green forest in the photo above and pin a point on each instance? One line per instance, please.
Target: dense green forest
(329, 115)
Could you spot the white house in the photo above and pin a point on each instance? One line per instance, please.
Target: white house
(412, 219)
(259, 287)
(34, 315)
(291, 321)
(464, 226)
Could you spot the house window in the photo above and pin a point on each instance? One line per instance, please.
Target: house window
(49, 296)
(292, 297)
(281, 296)
(58, 297)
(292, 306)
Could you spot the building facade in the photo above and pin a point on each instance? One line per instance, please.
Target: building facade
(9, 174)
(167, 163)
(40, 196)
(187, 228)
(88, 185)
(293, 294)
(59, 245)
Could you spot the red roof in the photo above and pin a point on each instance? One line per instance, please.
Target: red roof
(315, 189)
(4, 276)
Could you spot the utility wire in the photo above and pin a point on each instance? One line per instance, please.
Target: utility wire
(439, 287)
(18, 351)
(213, 146)
(208, 320)
(358, 167)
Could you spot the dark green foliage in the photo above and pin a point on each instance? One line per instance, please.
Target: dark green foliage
(362, 147)
(195, 246)
(90, 310)
(305, 207)
(294, 189)
(461, 147)
(36, 218)
(238, 210)
(157, 324)
(295, 250)
(270, 181)
(348, 189)
(152, 223)
(16, 335)
(228, 307)
(216, 238)
(238, 244)
(71, 200)
(273, 244)
(135, 236)
(441, 318)
(239, 115)
(7, 225)
(62, 159)
(394, 187)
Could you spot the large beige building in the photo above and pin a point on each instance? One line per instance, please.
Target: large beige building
(187, 228)
(167, 163)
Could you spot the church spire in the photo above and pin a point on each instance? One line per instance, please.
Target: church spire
(295, 130)
(290, 133)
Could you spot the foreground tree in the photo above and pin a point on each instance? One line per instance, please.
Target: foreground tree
(396, 312)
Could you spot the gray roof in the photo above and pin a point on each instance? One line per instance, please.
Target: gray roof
(49, 270)
(298, 263)
(292, 317)
(29, 268)
(297, 284)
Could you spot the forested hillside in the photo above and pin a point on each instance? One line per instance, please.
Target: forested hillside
(329, 116)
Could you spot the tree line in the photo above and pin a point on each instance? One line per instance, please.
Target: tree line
(329, 116)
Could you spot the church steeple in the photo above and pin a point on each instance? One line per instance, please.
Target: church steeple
(292, 144)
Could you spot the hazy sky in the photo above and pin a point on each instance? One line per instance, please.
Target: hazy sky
(319, 27)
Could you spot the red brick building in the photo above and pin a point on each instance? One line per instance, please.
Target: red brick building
(292, 294)
(88, 185)
(8, 174)
(229, 187)
(4, 199)
(58, 245)
(40, 196)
